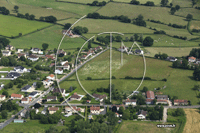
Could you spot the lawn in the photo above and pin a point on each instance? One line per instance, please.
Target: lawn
(176, 52)
(132, 11)
(142, 127)
(32, 126)
(51, 35)
(101, 25)
(12, 26)
(37, 11)
(69, 7)
(193, 119)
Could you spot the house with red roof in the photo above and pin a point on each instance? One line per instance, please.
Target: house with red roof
(150, 95)
(51, 77)
(16, 96)
(2, 97)
(180, 102)
(191, 59)
(95, 110)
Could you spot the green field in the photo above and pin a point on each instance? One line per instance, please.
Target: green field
(156, 2)
(132, 11)
(133, 66)
(82, 1)
(182, 3)
(12, 26)
(185, 11)
(71, 8)
(142, 127)
(51, 35)
(176, 52)
(37, 11)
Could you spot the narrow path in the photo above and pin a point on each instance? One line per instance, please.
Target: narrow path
(165, 115)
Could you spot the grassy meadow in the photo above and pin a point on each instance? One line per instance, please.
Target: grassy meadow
(12, 26)
(69, 7)
(51, 35)
(192, 123)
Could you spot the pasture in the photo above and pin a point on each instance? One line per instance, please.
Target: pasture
(142, 127)
(193, 120)
(69, 7)
(182, 3)
(179, 82)
(12, 26)
(51, 35)
(37, 11)
(132, 11)
(176, 52)
(185, 11)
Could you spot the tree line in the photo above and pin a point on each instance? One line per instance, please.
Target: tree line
(4, 11)
(97, 3)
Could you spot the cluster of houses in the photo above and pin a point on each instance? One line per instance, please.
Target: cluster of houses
(49, 80)
(125, 49)
(70, 33)
(90, 52)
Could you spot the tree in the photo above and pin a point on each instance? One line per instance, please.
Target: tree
(5, 93)
(45, 46)
(171, 4)
(196, 74)
(39, 84)
(175, 64)
(114, 109)
(136, 36)
(173, 10)
(16, 8)
(78, 30)
(112, 120)
(50, 19)
(177, 7)
(51, 130)
(148, 41)
(134, 2)
(41, 18)
(32, 17)
(164, 2)
(27, 15)
(4, 114)
(37, 105)
(179, 112)
(145, 89)
(189, 17)
(89, 45)
(184, 64)
(67, 26)
(118, 38)
(85, 30)
(4, 41)
(126, 115)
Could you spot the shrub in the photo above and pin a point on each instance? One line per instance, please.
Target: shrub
(89, 78)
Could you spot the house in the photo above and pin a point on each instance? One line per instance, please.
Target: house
(130, 101)
(180, 102)
(68, 114)
(162, 97)
(142, 114)
(53, 110)
(88, 101)
(19, 50)
(116, 114)
(21, 54)
(66, 66)
(99, 48)
(57, 90)
(90, 117)
(36, 51)
(150, 95)
(191, 59)
(138, 51)
(86, 56)
(2, 97)
(18, 121)
(118, 106)
(33, 57)
(26, 88)
(26, 100)
(161, 101)
(100, 97)
(47, 82)
(9, 47)
(61, 53)
(6, 53)
(95, 110)
(149, 101)
(51, 77)
(33, 94)
(20, 69)
(90, 52)
(123, 49)
(75, 97)
(51, 98)
(69, 33)
(197, 61)
(16, 96)
(172, 59)
(52, 64)
(59, 71)
(74, 109)
(13, 75)
(49, 57)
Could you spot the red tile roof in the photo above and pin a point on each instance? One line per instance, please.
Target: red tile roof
(150, 94)
(94, 108)
(53, 108)
(180, 101)
(16, 95)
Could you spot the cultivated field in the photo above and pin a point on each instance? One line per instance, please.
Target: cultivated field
(51, 35)
(12, 26)
(193, 121)
(132, 11)
(71, 8)
(142, 127)
(37, 11)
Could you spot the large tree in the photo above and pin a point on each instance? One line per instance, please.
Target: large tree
(164, 2)
(16, 8)
(189, 17)
(45, 46)
(148, 41)
(67, 26)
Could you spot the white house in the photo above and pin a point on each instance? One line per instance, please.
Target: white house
(53, 110)
(59, 71)
(33, 94)
(100, 97)
(130, 101)
(19, 50)
(51, 77)
(47, 82)
(33, 57)
(2, 97)
(16, 96)
(140, 52)
(6, 53)
(27, 88)
(192, 59)
(123, 49)
(36, 51)
(26, 100)
(95, 110)
(172, 59)
(142, 114)
(75, 97)
(51, 98)
(20, 69)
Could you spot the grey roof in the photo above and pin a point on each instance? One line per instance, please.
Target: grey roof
(13, 74)
(5, 52)
(33, 93)
(143, 112)
(36, 49)
(26, 87)
(52, 97)
(137, 51)
(19, 67)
